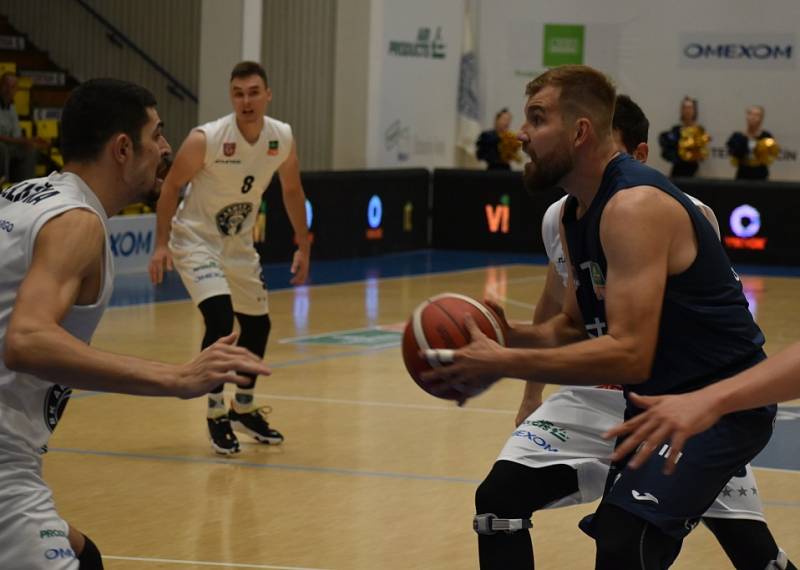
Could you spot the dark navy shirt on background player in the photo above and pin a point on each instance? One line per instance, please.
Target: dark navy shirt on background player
(706, 333)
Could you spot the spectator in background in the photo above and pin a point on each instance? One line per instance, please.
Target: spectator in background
(17, 153)
(685, 144)
(488, 143)
(752, 152)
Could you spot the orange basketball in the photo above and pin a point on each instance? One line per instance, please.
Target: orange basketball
(439, 323)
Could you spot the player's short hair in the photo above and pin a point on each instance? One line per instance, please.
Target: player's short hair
(585, 92)
(99, 109)
(247, 68)
(501, 112)
(631, 122)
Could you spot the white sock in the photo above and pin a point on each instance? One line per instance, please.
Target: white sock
(243, 401)
(216, 405)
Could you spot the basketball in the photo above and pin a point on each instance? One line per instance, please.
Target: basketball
(439, 323)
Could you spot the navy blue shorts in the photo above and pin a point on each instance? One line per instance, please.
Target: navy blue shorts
(675, 503)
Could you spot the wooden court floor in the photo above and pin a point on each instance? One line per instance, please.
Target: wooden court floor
(374, 473)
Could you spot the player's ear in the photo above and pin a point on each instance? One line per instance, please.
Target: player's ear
(121, 147)
(582, 129)
(641, 152)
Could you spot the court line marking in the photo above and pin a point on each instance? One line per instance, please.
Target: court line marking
(380, 328)
(377, 404)
(205, 563)
(234, 462)
(291, 289)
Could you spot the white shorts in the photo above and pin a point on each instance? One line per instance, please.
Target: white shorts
(32, 535)
(567, 429)
(234, 271)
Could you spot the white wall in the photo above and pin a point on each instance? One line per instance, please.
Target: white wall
(413, 87)
(221, 32)
(639, 44)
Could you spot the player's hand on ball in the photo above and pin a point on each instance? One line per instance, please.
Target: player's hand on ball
(666, 419)
(217, 364)
(469, 369)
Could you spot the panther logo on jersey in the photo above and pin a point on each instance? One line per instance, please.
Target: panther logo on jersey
(54, 404)
(231, 218)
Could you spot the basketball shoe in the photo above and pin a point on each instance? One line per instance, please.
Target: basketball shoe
(223, 440)
(254, 423)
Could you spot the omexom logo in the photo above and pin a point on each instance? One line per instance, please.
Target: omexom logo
(724, 50)
(498, 216)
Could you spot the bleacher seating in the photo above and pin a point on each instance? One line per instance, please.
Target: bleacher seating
(43, 89)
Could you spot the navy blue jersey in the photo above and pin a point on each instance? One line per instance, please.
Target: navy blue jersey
(706, 331)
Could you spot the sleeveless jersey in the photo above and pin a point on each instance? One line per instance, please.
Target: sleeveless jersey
(29, 406)
(706, 331)
(552, 237)
(222, 199)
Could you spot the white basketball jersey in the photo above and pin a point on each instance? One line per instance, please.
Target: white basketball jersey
(552, 238)
(222, 199)
(29, 406)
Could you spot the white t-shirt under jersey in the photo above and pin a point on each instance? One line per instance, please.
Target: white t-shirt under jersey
(552, 238)
(29, 406)
(222, 199)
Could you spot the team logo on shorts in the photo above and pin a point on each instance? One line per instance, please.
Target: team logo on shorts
(231, 218)
(54, 404)
(273, 148)
(229, 149)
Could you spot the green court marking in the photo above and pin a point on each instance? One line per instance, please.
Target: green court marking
(359, 337)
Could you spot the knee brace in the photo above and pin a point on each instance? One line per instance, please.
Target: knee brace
(489, 523)
(218, 317)
(90, 558)
(254, 332)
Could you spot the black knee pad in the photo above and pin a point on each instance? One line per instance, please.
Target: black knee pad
(218, 317)
(90, 558)
(626, 541)
(254, 332)
(512, 490)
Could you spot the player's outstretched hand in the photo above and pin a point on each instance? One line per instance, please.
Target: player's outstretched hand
(161, 259)
(217, 364)
(672, 419)
(469, 368)
(300, 264)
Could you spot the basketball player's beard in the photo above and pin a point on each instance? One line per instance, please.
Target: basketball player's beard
(151, 195)
(541, 174)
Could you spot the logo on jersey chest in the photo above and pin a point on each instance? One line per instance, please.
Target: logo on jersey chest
(272, 150)
(230, 219)
(54, 404)
(597, 277)
(229, 149)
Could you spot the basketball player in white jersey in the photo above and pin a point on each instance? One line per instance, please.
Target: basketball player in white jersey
(227, 164)
(564, 434)
(56, 275)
